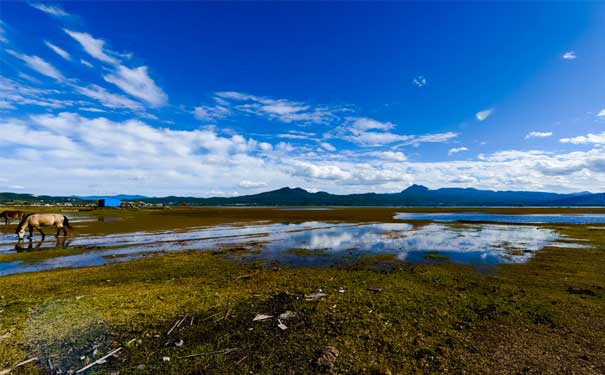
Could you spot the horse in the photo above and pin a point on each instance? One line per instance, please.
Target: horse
(36, 221)
(11, 214)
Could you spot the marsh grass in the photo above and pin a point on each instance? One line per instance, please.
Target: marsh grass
(547, 316)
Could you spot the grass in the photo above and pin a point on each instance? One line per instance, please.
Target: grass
(547, 316)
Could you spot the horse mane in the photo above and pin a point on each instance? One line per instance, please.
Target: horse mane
(22, 222)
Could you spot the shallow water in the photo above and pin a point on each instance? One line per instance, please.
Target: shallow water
(316, 244)
(498, 218)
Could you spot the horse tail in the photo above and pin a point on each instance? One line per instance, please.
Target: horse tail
(66, 222)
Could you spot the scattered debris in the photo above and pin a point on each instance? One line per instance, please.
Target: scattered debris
(173, 342)
(288, 315)
(281, 325)
(99, 361)
(140, 367)
(260, 317)
(79, 297)
(166, 359)
(245, 277)
(226, 351)
(8, 370)
(177, 324)
(341, 290)
(327, 358)
(241, 360)
(375, 289)
(314, 296)
(5, 336)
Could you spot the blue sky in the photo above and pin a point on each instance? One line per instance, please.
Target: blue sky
(225, 98)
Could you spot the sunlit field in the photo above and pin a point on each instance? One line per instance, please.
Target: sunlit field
(274, 290)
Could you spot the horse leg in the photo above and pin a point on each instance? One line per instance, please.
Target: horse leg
(42, 233)
(58, 231)
(31, 232)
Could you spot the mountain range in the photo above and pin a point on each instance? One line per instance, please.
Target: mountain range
(415, 195)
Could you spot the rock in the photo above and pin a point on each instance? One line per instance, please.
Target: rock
(327, 359)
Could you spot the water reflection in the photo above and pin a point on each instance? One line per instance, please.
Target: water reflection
(317, 244)
(29, 245)
(498, 218)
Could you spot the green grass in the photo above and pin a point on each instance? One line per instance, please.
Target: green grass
(547, 316)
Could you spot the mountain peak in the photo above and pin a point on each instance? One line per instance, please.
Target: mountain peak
(416, 189)
(287, 189)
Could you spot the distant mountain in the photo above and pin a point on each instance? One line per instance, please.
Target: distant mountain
(122, 197)
(7, 198)
(415, 195)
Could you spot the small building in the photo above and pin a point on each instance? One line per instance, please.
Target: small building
(108, 202)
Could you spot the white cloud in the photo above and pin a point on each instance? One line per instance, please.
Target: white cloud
(137, 83)
(601, 113)
(59, 51)
(538, 135)
(456, 150)
(372, 133)
(3, 38)
(569, 55)
(283, 110)
(208, 113)
(327, 146)
(107, 98)
(133, 157)
(94, 47)
(586, 139)
(396, 156)
(419, 81)
(39, 65)
(53, 10)
(245, 184)
(483, 115)
(86, 63)
(363, 124)
(17, 94)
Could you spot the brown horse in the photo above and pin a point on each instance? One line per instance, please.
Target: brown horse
(11, 215)
(36, 221)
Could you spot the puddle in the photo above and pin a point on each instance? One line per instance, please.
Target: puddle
(498, 218)
(315, 244)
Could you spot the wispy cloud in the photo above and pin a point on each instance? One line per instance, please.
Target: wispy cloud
(569, 55)
(39, 65)
(137, 83)
(107, 98)
(483, 115)
(456, 150)
(59, 51)
(94, 47)
(52, 10)
(86, 63)
(535, 134)
(3, 38)
(419, 81)
(229, 103)
(133, 81)
(601, 114)
(368, 132)
(210, 113)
